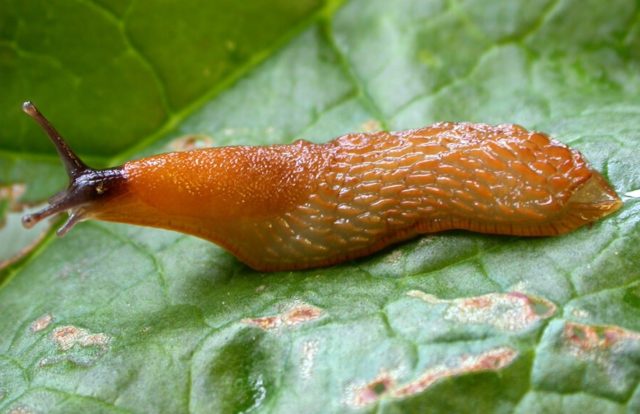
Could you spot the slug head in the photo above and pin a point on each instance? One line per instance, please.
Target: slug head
(87, 187)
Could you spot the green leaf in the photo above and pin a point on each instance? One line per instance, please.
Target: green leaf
(117, 318)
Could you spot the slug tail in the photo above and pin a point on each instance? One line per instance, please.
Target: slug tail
(594, 200)
(86, 186)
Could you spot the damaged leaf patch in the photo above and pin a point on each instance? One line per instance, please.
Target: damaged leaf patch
(41, 323)
(120, 318)
(385, 385)
(605, 360)
(15, 242)
(76, 345)
(294, 315)
(513, 311)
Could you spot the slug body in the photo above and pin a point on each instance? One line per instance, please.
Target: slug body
(305, 205)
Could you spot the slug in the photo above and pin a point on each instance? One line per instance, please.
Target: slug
(305, 205)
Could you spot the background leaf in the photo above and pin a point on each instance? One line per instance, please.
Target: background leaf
(116, 318)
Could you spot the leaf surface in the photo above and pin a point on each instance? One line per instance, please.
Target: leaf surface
(115, 318)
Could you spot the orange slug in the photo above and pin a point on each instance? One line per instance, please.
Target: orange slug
(304, 205)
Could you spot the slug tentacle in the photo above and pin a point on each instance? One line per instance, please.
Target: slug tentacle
(303, 205)
(86, 185)
(72, 163)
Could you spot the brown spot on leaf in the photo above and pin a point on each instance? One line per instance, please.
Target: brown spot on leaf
(41, 323)
(190, 142)
(76, 345)
(603, 359)
(492, 360)
(384, 385)
(16, 241)
(11, 194)
(300, 314)
(295, 315)
(374, 390)
(266, 323)
(66, 337)
(513, 311)
(594, 341)
(478, 302)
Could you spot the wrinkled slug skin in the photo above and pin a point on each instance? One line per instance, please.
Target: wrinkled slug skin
(306, 205)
